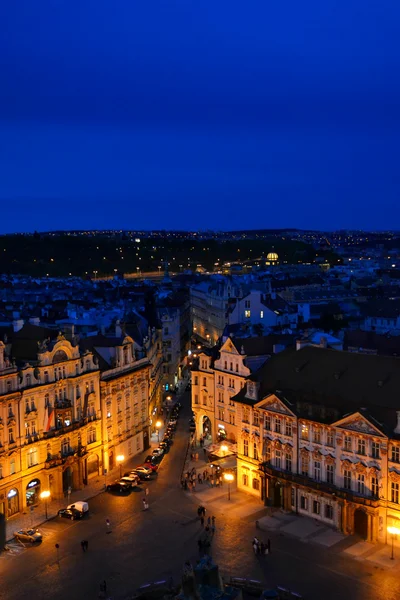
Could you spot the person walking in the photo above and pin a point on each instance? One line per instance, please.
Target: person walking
(144, 504)
(202, 521)
(83, 546)
(86, 545)
(255, 547)
(194, 485)
(213, 520)
(208, 521)
(108, 526)
(268, 546)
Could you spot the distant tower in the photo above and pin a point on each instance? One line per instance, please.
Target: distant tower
(166, 279)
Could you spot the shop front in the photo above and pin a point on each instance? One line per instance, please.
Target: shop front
(12, 502)
(33, 492)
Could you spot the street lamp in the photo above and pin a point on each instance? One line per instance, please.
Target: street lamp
(394, 531)
(229, 478)
(158, 425)
(120, 459)
(44, 496)
(224, 448)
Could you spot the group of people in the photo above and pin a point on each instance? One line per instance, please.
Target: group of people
(260, 548)
(191, 479)
(204, 541)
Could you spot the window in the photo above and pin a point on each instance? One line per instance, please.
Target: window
(304, 502)
(304, 432)
(288, 428)
(304, 466)
(361, 483)
(27, 407)
(28, 380)
(317, 470)
(317, 436)
(246, 415)
(245, 447)
(11, 435)
(374, 487)
(196, 398)
(328, 512)
(9, 386)
(256, 484)
(347, 480)
(288, 462)
(65, 447)
(255, 451)
(278, 459)
(316, 507)
(361, 446)
(330, 440)
(91, 435)
(12, 466)
(204, 400)
(261, 314)
(226, 365)
(196, 380)
(293, 496)
(395, 492)
(247, 303)
(396, 454)
(277, 425)
(268, 453)
(32, 457)
(237, 368)
(245, 479)
(247, 314)
(10, 410)
(231, 366)
(256, 419)
(204, 381)
(375, 449)
(330, 474)
(220, 414)
(267, 423)
(347, 443)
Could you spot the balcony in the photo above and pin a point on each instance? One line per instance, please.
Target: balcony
(321, 486)
(61, 404)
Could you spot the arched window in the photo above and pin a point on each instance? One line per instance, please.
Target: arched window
(46, 377)
(28, 380)
(65, 446)
(59, 356)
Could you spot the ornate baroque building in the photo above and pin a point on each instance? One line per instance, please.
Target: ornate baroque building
(319, 434)
(50, 418)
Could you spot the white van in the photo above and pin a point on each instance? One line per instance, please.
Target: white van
(83, 507)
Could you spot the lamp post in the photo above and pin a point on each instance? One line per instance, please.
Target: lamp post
(394, 531)
(44, 496)
(158, 425)
(229, 478)
(120, 459)
(224, 448)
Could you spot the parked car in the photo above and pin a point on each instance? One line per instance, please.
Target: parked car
(164, 446)
(83, 507)
(142, 472)
(158, 451)
(118, 487)
(153, 466)
(70, 513)
(130, 480)
(28, 535)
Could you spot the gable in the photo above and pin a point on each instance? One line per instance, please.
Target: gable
(228, 346)
(274, 404)
(360, 424)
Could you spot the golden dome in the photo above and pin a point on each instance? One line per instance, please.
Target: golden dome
(272, 256)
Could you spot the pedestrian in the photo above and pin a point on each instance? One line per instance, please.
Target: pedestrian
(204, 511)
(83, 546)
(205, 453)
(209, 521)
(86, 545)
(144, 504)
(213, 528)
(202, 521)
(191, 456)
(201, 442)
(212, 481)
(255, 547)
(108, 525)
(189, 484)
(147, 491)
(199, 478)
(268, 546)
(200, 511)
(193, 485)
(213, 520)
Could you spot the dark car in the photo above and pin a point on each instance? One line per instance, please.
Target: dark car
(70, 513)
(119, 487)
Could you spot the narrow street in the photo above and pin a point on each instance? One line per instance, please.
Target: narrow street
(149, 546)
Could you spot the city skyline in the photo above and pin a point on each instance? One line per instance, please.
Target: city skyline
(274, 116)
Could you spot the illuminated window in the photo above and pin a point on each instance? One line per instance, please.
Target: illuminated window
(304, 432)
(247, 314)
(261, 314)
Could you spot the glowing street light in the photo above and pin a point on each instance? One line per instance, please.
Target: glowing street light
(158, 425)
(120, 459)
(229, 478)
(44, 496)
(394, 532)
(224, 448)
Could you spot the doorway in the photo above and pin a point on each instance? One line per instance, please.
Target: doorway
(361, 523)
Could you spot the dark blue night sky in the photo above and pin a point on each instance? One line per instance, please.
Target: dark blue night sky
(195, 115)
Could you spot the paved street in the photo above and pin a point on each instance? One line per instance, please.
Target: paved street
(146, 546)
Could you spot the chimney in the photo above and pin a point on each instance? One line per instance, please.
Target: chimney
(397, 428)
(18, 324)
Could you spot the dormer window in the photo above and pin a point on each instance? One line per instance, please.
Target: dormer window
(28, 380)
(9, 386)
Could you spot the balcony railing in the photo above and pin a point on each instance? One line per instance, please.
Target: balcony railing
(322, 486)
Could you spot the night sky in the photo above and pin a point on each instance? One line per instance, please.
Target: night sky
(193, 115)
